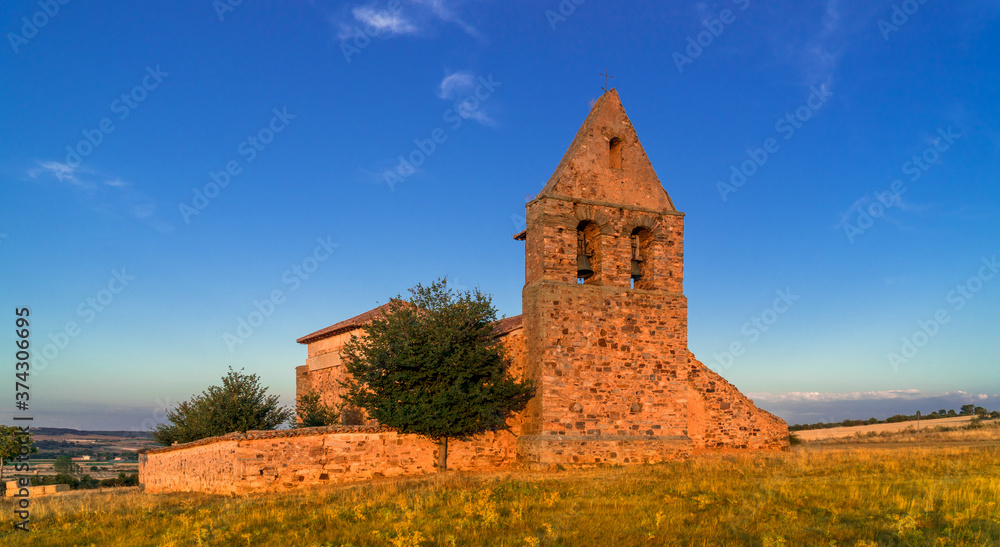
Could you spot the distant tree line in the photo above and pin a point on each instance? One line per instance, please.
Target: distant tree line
(966, 410)
(86, 482)
(49, 448)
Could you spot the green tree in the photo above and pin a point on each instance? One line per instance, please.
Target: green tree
(64, 465)
(313, 413)
(433, 367)
(968, 410)
(239, 404)
(11, 440)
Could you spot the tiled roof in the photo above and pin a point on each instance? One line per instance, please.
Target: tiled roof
(509, 324)
(346, 325)
(503, 326)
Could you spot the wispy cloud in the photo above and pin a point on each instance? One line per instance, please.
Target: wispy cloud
(453, 84)
(811, 407)
(412, 18)
(61, 172)
(460, 88)
(814, 40)
(900, 204)
(382, 22)
(816, 396)
(822, 53)
(442, 11)
(821, 397)
(109, 195)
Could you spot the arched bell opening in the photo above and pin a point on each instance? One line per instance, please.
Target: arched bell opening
(640, 263)
(587, 252)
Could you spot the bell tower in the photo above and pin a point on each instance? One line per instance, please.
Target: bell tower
(604, 311)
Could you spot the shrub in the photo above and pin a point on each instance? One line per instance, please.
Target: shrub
(311, 412)
(240, 404)
(121, 480)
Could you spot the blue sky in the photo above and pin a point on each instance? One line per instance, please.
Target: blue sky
(170, 168)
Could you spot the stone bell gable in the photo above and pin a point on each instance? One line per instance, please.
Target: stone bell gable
(605, 316)
(606, 163)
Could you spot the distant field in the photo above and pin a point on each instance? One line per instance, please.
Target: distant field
(903, 492)
(100, 441)
(853, 431)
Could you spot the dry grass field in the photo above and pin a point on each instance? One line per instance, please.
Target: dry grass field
(853, 431)
(938, 488)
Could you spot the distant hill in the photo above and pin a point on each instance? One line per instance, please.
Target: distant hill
(58, 431)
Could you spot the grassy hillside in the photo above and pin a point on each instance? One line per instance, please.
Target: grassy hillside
(901, 493)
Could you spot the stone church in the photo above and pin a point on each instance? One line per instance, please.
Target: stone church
(603, 335)
(603, 331)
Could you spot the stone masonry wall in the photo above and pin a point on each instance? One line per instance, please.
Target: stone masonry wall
(269, 461)
(324, 368)
(720, 417)
(612, 362)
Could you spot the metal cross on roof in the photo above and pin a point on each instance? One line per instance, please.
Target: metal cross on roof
(606, 76)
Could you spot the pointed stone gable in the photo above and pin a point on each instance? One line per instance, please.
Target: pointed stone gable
(606, 163)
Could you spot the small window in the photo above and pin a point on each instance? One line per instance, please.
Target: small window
(615, 153)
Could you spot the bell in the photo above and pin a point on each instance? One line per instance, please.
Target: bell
(636, 270)
(583, 268)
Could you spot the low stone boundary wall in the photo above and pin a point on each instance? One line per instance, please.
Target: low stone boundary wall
(14, 489)
(265, 461)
